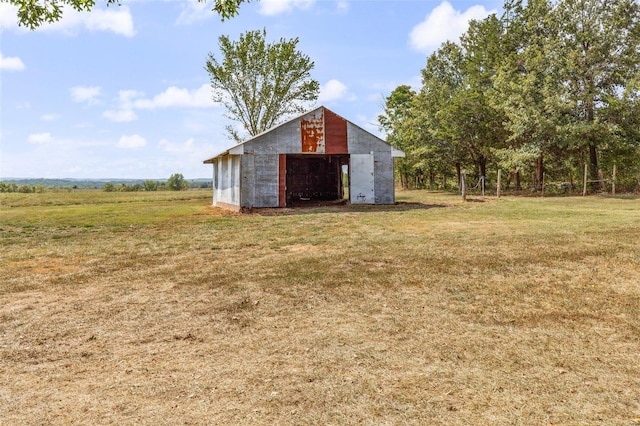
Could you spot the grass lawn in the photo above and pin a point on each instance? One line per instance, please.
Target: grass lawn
(155, 308)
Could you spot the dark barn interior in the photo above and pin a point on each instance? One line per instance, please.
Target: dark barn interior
(314, 177)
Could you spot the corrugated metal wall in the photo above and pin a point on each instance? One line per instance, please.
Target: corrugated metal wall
(255, 178)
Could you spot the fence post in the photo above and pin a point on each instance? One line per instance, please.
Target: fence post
(613, 181)
(463, 185)
(498, 188)
(584, 181)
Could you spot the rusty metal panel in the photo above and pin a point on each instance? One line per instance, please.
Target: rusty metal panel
(312, 133)
(335, 128)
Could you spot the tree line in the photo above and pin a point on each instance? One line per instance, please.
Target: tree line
(176, 182)
(541, 92)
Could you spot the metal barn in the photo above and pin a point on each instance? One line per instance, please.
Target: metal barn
(316, 156)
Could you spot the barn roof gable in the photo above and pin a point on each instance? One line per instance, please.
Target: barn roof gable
(239, 148)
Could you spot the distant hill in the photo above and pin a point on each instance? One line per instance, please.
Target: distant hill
(91, 183)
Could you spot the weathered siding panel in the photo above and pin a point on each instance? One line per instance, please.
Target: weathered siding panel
(247, 188)
(288, 138)
(266, 180)
(362, 142)
(235, 179)
(361, 179)
(384, 182)
(226, 181)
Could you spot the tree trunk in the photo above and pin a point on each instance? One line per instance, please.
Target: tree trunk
(518, 183)
(539, 172)
(458, 172)
(593, 160)
(483, 166)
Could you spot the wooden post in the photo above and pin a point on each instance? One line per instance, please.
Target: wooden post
(613, 181)
(542, 184)
(463, 185)
(482, 178)
(498, 188)
(601, 181)
(584, 181)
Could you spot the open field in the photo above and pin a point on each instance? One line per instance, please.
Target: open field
(155, 308)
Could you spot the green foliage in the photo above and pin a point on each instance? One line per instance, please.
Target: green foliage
(33, 13)
(8, 187)
(545, 88)
(150, 185)
(108, 187)
(176, 182)
(516, 159)
(261, 83)
(227, 8)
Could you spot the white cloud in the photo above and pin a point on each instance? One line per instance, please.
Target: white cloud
(124, 111)
(8, 16)
(131, 142)
(276, 7)
(332, 90)
(194, 11)
(126, 96)
(342, 6)
(50, 117)
(39, 138)
(116, 19)
(173, 97)
(87, 94)
(442, 24)
(177, 97)
(120, 116)
(185, 147)
(11, 63)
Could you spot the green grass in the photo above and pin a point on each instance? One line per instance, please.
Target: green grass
(157, 308)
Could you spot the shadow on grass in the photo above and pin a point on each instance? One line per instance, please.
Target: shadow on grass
(333, 207)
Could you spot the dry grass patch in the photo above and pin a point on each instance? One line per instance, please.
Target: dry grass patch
(522, 311)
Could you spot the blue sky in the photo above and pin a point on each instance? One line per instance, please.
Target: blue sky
(121, 92)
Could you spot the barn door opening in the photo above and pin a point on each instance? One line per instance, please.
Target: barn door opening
(311, 178)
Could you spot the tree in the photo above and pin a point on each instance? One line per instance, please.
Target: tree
(598, 55)
(528, 86)
(479, 123)
(397, 110)
(33, 13)
(462, 123)
(150, 185)
(176, 182)
(260, 83)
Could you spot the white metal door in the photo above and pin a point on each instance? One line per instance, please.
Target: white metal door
(361, 189)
